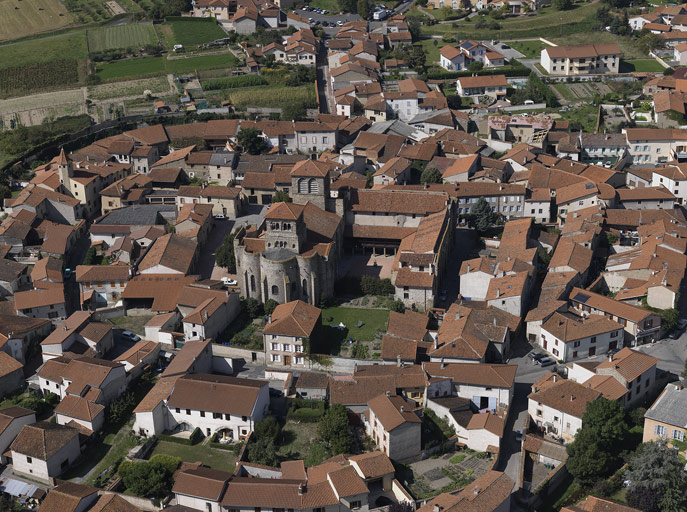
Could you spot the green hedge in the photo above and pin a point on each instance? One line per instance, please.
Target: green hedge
(195, 437)
(188, 18)
(233, 82)
(509, 71)
(305, 415)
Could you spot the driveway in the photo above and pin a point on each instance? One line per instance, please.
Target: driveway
(509, 53)
(206, 263)
(329, 18)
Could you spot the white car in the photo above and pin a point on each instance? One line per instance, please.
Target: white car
(228, 281)
(220, 216)
(131, 336)
(340, 23)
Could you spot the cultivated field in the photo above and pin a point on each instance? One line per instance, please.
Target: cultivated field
(19, 18)
(121, 36)
(67, 46)
(130, 88)
(582, 90)
(151, 66)
(32, 110)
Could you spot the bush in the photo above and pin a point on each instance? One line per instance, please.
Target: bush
(373, 286)
(169, 462)
(196, 436)
(233, 82)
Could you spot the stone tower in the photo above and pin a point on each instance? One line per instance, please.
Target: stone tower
(64, 167)
(310, 182)
(285, 228)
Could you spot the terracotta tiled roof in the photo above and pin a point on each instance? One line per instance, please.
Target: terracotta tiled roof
(565, 396)
(295, 318)
(66, 497)
(205, 483)
(43, 440)
(207, 393)
(628, 363)
(567, 328)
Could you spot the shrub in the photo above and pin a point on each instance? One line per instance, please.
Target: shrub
(196, 436)
(305, 415)
(373, 286)
(169, 462)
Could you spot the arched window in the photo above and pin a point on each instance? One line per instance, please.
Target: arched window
(252, 283)
(275, 289)
(313, 188)
(302, 186)
(304, 287)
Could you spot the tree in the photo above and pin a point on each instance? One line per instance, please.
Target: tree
(348, 5)
(333, 430)
(431, 175)
(416, 57)
(89, 258)
(669, 318)
(562, 5)
(281, 197)
(363, 8)
(402, 506)
(149, 479)
(484, 216)
(224, 255)
(270, 306)
(595, 452)
(251, 141)
(475, 66)
(398, 306)
(656, 479)
(360, 351)
(262, 451)
(267, 428)
(649, 41)
(254, 308)
(618, 4)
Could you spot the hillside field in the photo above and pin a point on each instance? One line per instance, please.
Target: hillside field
(20, 18)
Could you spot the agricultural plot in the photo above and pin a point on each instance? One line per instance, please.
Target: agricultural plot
(67, 46)
(151, 66)
(121, 36)
(580, 91)
(23, 18)
(641, 65)
(33, 110)
(88, 11)
(191, 32)
(35, 77)
(130, 88)
(274, 97)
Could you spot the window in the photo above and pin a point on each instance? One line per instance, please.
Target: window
(29, 460)
(178, 410)
(678, 434)
(216, 415)
(614, 334)
(287, 348)
(188, 412)
(660, 430)
(575, 354)
(275, 346)
(276, 358)
(355, 504)
(593, 340)
(538, 412)
(244, 418)
(576, 344)
(275, 289)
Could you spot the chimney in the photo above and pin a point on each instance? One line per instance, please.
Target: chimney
(402, 409)
(437, 508)
(468, 267)
(388, 393)
(555, 377)
(443, 364)
(435, 344)
(498, 292)
(398, 360)
(572, 398)
(476, 491)
(494, 320)
(301, 489)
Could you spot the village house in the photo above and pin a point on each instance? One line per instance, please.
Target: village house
(567, 337)
(43, 451)
(78, 335)
(475, 87)
(667, 416)
(199, 400)
(395, 427)
(557, 405)
(11, 374)
(102, 285)
(293, 328)
(12, 420)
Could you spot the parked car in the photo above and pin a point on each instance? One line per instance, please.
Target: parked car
(546, 361)
(227, 281)
(131, 336)
(220, 216)
(67, 273)
(325, 11)
(325, 23)
(443, 295)
(340, 23)
(518, 435)
(675, 333)
(536, 356)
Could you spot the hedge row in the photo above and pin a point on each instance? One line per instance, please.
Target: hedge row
(305, 415)
(509, 71)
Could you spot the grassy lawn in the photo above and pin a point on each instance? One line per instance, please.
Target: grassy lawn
(149, 66)
(131, 88)
(627, 45)
(549, 23)
(297, 440)
(639, 65)
(374, 321)
(431, 50)
(564, 91)
(194, 31)
(135, 324)
(224, 460)
(244, 332)
(112, 448)
(585, 115)
(121, 36)
(530, 49)
(331, 5)
(273, 97)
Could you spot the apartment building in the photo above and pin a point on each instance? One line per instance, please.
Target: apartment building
(584, 59)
